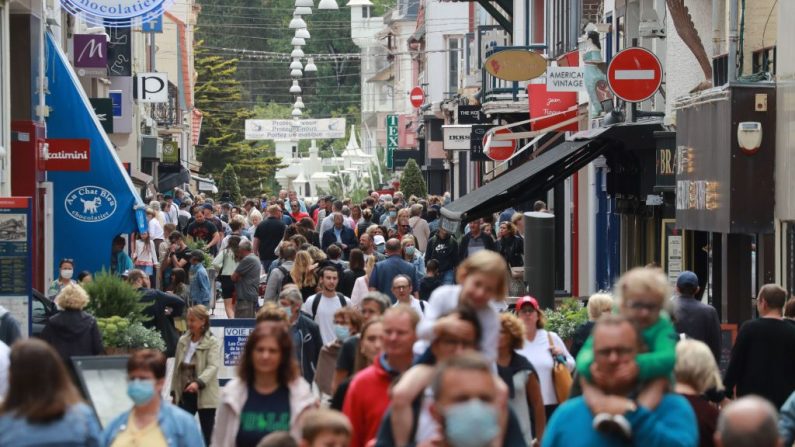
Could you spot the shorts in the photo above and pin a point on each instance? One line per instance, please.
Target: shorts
(227, 286)
(245, 309)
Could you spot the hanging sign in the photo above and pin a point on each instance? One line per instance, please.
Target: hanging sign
(121, 12)
(545, 103)
(515, 65)
(119, 51)
(68, 154)
(103, 109)
(151, 87)
(565, 79)
(391, 139)
(90, 54)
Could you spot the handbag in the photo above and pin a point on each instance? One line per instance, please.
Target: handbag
(561, 376)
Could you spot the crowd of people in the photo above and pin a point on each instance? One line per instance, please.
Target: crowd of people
(374, 325)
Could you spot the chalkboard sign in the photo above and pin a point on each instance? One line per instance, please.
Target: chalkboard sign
(728, 333)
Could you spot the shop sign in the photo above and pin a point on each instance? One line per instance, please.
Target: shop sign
(153, 25)
(16, 257)
(68, 155)
(121, 89)
(119, 51)
(103, 109)
(476, 142)
(565, 79)
(392, 139)
(90, 203)
(470, 115)
(120, 12)
(90, 54)
(457, 137)
(151, 87)
(515, 65)
(286, 130)
(545, 103)
(170, 152)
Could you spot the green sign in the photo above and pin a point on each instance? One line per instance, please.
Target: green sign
(391, 139)
(170, 152)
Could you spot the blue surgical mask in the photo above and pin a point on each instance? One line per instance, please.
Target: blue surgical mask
(380, 248)
(410, 251)
(288, 310)
(392, 214)
(141, 391)
(471, 424)
(342, 332)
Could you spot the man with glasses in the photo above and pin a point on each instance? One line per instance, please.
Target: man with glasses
(385, 271)
(616, 344)
(401, 288)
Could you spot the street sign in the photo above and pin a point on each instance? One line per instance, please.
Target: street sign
(476, 142)
(515, 65)
(499, 150)
(417, 97)
(634, 74)
(392, 135)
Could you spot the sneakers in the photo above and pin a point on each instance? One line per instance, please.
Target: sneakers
(613, 424)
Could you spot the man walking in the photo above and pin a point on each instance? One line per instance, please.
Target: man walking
(280, 276)
(693, 318)
(385, 271)
(267, 236)
(307, 340)
(322, 306)
(444, 249)
(246, 278)
(750, 421)
(401, 288)
(475, 240)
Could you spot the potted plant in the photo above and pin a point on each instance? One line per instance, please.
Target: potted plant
(566, 318)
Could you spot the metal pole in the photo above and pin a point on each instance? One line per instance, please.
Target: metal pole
(152, 51)
(539, 257)
(733, 38)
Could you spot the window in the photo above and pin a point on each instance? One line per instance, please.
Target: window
(765, 60)
(366, 12)
(720, 70)
(454, 65)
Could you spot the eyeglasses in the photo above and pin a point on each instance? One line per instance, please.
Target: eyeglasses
(639, 305)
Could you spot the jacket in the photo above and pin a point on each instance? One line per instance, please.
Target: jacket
(445, 251)
(308, 350)
(233, 398)
(178, 426)
(200, 292)
(207, 360)
(347, 236)
(463, 246)
(421, 232)
(77, 428)
(512, 250)
(9, 327)
(699, 321)
(367, 400)
(73, 333)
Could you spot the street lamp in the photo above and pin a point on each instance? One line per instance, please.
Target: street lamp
(295, 73)
(327, 4)
(302, 33)
(298, 42)
(296, 112)
(299, 103)
(296, 65)
(295, 88)
(297, 22)
(310, 66)
(297, 53)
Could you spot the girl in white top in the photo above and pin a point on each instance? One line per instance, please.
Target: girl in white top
(538, 350)
(145, 255)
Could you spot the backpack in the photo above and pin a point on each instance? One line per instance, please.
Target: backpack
(316, 303)
(286, 278)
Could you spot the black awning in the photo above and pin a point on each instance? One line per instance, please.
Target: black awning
(168, 180)
(523, 182)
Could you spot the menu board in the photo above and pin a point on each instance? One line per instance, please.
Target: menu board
(15, 258)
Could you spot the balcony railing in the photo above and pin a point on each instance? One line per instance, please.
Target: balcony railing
(166, 114)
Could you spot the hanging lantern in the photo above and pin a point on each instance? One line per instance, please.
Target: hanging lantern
(299, 104)
(302, 33)
(310, 65)
(296, 65)
(295, 73)
(297, 22)
(295, 88)
(327, 4)
(303, 10)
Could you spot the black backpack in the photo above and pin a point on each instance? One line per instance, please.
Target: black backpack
(316, 303)
(286, 278)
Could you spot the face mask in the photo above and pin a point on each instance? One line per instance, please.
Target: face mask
(288, 310)
(67, 273)
(342, 332)
(392, 214)
(471, 424)
(141, 391)
(380, 248)
(410, 251)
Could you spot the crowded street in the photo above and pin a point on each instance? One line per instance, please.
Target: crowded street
(408, 223)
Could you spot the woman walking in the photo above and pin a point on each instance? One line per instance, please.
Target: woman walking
(303, 274)
(145, 256)
(73, 332)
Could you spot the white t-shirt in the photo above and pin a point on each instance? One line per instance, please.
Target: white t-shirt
(325, 314)
(5, 352)
(155, 229)
(192, 345)
(416, 305)
(537, 352)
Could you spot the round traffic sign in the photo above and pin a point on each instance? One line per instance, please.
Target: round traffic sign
(498, 150)
(417, 96)
(634, 74)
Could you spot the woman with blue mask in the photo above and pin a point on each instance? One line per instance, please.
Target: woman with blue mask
(152, 421)
(412, 255)
(347, 323)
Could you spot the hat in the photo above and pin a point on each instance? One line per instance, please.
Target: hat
(526, 300)
(197, 254)
(207, 206)
(168, 195)
(687, 278)
(378, 239)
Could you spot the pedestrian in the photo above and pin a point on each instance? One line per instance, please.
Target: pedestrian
(200, 291)
(161, 309)
(749, 421)
(306, 228)
(225, 263)
(419, 227)
(412, 255)
(323, 305)
(246, 278)
(598, 305)
(385, 271)
(444, 249)
(692, 317)
(85, 277)
(671, 423)
(326, 428)
(152, 419)
(524, 387)
(268, 394)
(155, 227)
(334, 259)
(179, 285)
(340, 234)
(73, 332)
(511, 248)
(401, 289)
(295, 211)
(518, 221)
(303, 274)
(696, 372)
(145, 256)
(203, 230)
(42, 406)
(120, 260)
(354, 271)
(328, 220)
(66, 270)
(177, 255)
(253, 220)
(267, 236)
(759, 345)
(475, 240)
(367, 246)
(305, 332)
(364, 223)
(347, 323)
(431, 281)
(280, 276)
(194, 382)
(368, 395)
(542, 348)
(360, 287)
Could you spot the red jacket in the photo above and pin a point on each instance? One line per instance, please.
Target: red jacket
(366, 402)
(297, 216)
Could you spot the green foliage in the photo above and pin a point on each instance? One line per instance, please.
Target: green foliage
(111, 296)
(199, 244)
(118, 332)
(229, 183)
(411, 182)
(568, 316)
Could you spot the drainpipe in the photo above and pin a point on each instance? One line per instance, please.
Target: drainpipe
(718, 18)
(733, 38)
(41, 109)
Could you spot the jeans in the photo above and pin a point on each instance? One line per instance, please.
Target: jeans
(448, 277)
(190, 404)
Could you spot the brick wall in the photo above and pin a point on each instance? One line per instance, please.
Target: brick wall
(592, 11)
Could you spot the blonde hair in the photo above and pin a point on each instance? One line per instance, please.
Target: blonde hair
(301, 274)
(489, 263)
(72, 297)
(404, 309)
(271, 312)
(598, 304)
(696, 366)
(317, 254)
(254, 214)
(201, 312)
(516, 218)
(644, 281)
(320, 421)
(406, 239)
(514, 327)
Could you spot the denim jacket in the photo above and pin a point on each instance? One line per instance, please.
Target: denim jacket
(77, 428)
(199, 285)
(178, 427)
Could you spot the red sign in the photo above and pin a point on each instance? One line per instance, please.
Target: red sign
(68, 155)
(544, 103)
(634, 74)
(417, 97)
(499, 150)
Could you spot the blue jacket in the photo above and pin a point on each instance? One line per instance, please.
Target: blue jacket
(199, 285)
(786, 421)
(347, 236)
(672, 424)
(385, 271)
(78, 427)
(178, 426)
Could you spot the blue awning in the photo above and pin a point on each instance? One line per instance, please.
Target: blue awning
(89, 208)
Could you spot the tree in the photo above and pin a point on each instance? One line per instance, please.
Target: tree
(411, 182)
(229, 184)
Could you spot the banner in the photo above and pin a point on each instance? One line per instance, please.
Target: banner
(68, 155)
(120, 12)
(287, 130)
(544, 102)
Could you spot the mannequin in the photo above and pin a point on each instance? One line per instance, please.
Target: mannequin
(595, 79)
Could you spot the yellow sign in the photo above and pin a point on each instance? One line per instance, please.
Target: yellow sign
(515, 65)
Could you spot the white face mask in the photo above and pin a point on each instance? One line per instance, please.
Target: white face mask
(67, 273)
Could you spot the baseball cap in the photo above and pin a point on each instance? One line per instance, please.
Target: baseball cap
(378, 239)
(207, 206)
(526, 300)
(687, 278)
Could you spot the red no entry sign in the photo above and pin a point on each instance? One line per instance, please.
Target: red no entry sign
(498, 150)
(634, 74)
(417, 96)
